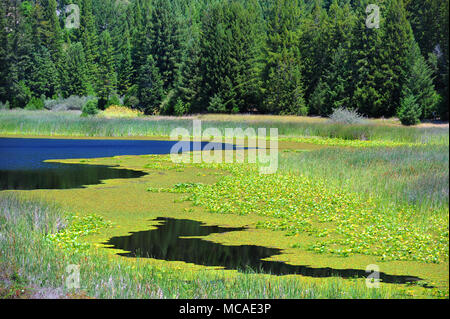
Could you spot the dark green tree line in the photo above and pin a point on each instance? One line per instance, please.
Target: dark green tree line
(269, 56)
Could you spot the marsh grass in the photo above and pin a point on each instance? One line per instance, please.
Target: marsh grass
(20, 122)
(401, 175)
(28, 260)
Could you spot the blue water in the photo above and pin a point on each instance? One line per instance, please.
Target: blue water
(23, 166)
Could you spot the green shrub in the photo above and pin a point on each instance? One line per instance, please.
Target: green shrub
(90, 108)
(409, 111)
(181, 108)
(35, 104)
(302, 111)
(216, 105)
(168, 103)
(114, 100)
(22, 95)
(131, 99)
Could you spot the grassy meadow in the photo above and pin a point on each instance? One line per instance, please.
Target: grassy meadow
(344, 196)
(298, 129)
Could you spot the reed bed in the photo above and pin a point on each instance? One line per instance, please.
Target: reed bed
(20, 122)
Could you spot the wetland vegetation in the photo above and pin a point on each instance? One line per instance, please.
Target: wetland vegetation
(90, 98)
(327, 207)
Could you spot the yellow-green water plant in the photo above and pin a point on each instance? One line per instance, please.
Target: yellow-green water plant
(69, 237)
(29, 259)
(332, 141)
(344, 223)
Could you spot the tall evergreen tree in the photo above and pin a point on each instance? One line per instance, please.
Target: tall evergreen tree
(20, 57)
(43, 76)
(75, 73)
(424, 18)
(419, 83)
(150, 87)
(4, 52)
(53, 39)
(189, 84)
(396, 43)
(229, 48)
(125, 63)
(89, 39)
(314, 45)
(283, 86)
(165, 40)
(379, 59)
(107, 80)
(141, 36)
(335, 86)
(274, 56)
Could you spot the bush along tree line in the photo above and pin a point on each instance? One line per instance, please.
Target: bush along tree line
(227, 56)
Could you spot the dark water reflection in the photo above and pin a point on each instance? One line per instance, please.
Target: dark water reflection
(23, 166)
(168, 242)
(62, 176)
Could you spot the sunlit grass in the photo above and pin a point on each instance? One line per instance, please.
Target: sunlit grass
(401, 175)
(117, 111)
(71, 124)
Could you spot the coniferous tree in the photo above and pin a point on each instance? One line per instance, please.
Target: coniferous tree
(335, 86)
(419, 84)
(107, 81)
(229, 52)
(89, 39)
(125, 65)
(409, 111)
(424, 18)
(380, 60)
(141, 36)
(75, 72)
(342, 20)
(190, 77)
(367, 66)
(43, 75)
(150, 87)
(52, 39)
(314, 45)
(39, 24)
(22, 48)
(283, 86)
(274, 56)
(4, 48)
(165, 40)
(396, 43)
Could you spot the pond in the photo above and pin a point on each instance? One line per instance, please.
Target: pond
(178, 240)
(22, 165)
